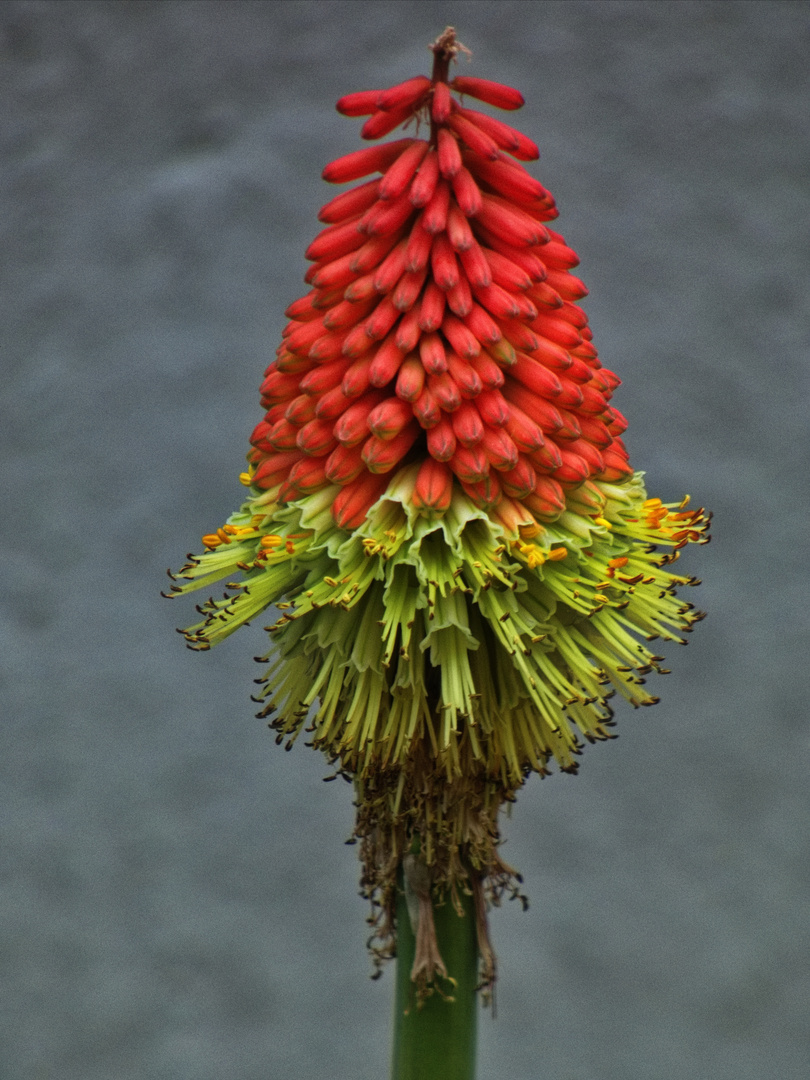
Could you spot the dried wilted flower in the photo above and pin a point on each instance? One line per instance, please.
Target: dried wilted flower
(441, 507)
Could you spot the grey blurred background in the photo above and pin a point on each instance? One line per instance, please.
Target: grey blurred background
(176, 902)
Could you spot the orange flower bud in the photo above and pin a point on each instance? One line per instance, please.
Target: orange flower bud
(388, 419)
(381, 455)
(441, 441)
(434, 487)
(354, 501)
(467, 425)
(344, 464)
(410, 379)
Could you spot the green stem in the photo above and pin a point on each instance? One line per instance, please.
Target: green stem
(437, 1041)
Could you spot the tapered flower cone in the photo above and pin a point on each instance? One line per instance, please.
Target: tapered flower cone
(441, 508)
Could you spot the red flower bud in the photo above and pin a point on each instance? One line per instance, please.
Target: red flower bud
(372, 253)
(574, 468)
(385, 218)
(324, 377)
(362, 162)
(536, 408)
(443, 263)
(442, 103)
(303, 336)
(362, 103)
(548, 499)
(476, 266)
(556, 329)
(404, 94)
(332, 404)
(449, 159)
(279, 386)
(347, 314)
(506, 273)
(441, 440)
(432, 354)
(381, 455)
(512, 181)
(426, 409)
(431, 310)
(525, 432)
(464, 375)
(535, 377)
(520, 481)
(350, 203)
(485, 493)
(459, 298)
(358, 377)
(410, 379)
(483, 327)
(316, 438)
(424, 184)
(419, 245)
(360, 289)
(391, 269)
(434, 487)
(467, 425)
(386, 362)
(461, 338)
(354, 501)
(344, 464)
(383, 121)
(275, 468)
(557, 255)
(444, 391)
(473, 136)
(407, 291)
(493, 93)
(434, 216)
(336, 240)
(381, 319)
(502, 135)
(388, 419)
(467, 193)
(470, 464)
(459, 232)
(511, 223)
(352, 427)
(281, 436)
(499, 448)
(565, 284)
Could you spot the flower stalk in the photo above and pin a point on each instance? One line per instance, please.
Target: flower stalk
(435, 1035)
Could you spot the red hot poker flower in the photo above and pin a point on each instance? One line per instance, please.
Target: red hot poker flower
(440, 501)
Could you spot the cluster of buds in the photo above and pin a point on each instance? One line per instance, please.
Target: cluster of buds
(441, 507)
(442, 326)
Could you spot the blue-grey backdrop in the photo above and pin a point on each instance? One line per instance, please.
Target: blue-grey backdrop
(177, 902)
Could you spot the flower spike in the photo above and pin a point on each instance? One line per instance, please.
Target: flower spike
(466, 569)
